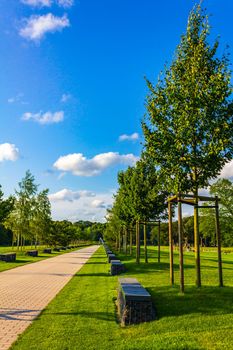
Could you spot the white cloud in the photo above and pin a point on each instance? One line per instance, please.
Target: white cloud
(48, 3)
(8, 151)
(81, 166)
(98, 203)
(37, 26)
(133, 137)
(44, 118)
(65, 98)
(70, 196)
(65, 3)
(17, 98)
(82, 208)
(227, 170)
(39, 3)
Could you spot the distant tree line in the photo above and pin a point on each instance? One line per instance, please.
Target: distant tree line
(25, 219)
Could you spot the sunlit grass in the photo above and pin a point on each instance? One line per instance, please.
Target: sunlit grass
(83, 315)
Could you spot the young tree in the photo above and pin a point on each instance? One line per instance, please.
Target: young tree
(189, 126)
(22, 215)
(41, 219)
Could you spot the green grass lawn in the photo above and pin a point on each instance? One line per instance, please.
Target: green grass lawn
(83, 315)
(22, 259)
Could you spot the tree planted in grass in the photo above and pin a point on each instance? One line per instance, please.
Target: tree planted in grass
(189, 125)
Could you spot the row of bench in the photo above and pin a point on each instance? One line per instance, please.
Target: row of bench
(11, 257)
(116, 265)
(134, 302)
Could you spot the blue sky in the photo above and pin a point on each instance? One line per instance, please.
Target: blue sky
(72, 90)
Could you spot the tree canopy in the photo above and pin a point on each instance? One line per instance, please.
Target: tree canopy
(189, 123)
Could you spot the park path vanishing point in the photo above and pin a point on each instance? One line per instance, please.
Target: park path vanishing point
(26, 290)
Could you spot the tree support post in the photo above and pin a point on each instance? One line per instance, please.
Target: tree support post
(130, 241)
(137, 243)
(180, 234)
(119, 246)
(197, 242)
(218, 237)
(170, 243)
(145, 243)
(159, 242)
(126, 241)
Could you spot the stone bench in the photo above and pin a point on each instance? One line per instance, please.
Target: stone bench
(134, 302)
(8, 257)
(111, 257)
(47, 250)
(33, 253)
(116, 267)
(56, 249)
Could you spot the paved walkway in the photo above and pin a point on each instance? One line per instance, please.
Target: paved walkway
(25, 291)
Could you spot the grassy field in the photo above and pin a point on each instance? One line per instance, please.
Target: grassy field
(83, 315)
(22, 259)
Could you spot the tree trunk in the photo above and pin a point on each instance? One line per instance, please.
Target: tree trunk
(170, 243)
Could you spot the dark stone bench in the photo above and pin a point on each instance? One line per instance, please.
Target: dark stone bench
(47, 250)
(116, 267)
(111, 257)
(56, 249)
(32, 253)
(8, 257)
(134, 302)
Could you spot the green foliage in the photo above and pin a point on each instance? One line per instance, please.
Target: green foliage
(223, 188)
(30, 216)
(138, 197)
(41, 221)
(189, 125)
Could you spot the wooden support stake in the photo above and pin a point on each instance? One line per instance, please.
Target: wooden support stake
(218, 236)
(170, 243)
(145, 243)
(159, 242)
(126, 239)
(196, 242)
(137, 243)
(180, 234)
(130, 241)
(119, 246)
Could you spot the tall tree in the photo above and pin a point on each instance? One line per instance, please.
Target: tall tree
(41, 220)
(189, 126)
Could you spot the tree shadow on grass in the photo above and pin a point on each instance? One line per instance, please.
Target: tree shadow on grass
(206, 300)
(96, 263)
(104, 316)
(92, 274)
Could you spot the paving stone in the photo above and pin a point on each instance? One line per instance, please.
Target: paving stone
(26, 290)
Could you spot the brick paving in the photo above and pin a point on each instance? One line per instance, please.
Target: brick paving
(26, 290)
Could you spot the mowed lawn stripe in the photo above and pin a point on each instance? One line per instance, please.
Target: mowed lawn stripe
(83, 315)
